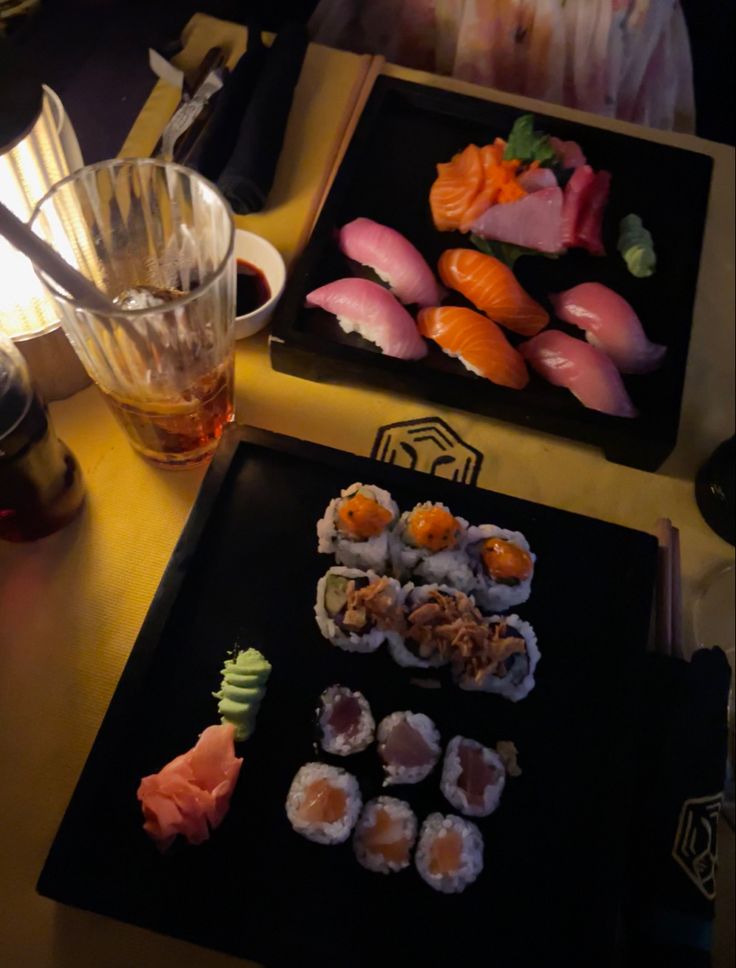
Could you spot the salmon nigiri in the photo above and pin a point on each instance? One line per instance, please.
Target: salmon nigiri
(492, 287)
(477, 342)
(457, 184)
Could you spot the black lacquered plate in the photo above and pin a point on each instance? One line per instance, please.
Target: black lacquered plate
(246, 568)
(405, 130)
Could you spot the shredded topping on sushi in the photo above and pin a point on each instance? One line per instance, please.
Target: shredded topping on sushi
(500, 643)
(433, 528)
(508, 752)
(505, 561)
(377, 602)
(446, 623)
(362, 517)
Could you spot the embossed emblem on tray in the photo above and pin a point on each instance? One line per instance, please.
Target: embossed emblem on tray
(428, 444)
(694, 848)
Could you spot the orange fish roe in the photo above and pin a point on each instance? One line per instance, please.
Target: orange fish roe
(361, 517)
(323, 803)
(445, 853)
(504, 560)
(433, 528)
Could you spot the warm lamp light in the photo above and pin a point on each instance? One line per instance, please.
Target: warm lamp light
(37, 149)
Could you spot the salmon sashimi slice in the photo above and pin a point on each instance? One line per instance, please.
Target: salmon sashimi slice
(386, 838)
(477, 342)
(492, 287)
(445, 854)
(457, 184)
(323, 803)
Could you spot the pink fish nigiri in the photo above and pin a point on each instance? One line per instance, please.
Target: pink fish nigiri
(535, 221)
(393, 258)
(610, 324)
(368, 309)
(584, 370)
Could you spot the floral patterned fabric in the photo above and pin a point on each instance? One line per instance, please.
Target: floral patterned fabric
(622, 58)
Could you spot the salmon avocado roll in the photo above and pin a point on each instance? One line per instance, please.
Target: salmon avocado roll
(356, 610)
(356, 527)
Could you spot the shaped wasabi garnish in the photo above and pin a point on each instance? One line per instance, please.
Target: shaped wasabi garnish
(243, 686)
(637, 247)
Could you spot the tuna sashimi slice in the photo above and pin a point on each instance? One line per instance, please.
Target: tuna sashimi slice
(191, 794)
(406, 747)
(575, 192)
(393, 258)
(582, 369)
(611, 324)
(534, 222)
(369, 309)
(588, 233)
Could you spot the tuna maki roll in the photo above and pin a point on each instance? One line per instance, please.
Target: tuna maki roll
(356, 527)
(409, 746)
(449, 853)
(345, 720)
(473, 777)
(428, 546)
(504, 663)
(385, 835)
(323, 803)
(503, 567)
(356, 610)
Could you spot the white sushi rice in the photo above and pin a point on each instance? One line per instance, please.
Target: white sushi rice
(493, 595)
(450, 565)
(513, 686)
(340, 744)
(452, 769)
(400, 652)
(399, 811)
(324, 833)
(349, 641)
(395, 773)
(471, 856)
(351, 552)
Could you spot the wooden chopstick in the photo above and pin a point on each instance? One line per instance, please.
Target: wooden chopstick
(668, 614)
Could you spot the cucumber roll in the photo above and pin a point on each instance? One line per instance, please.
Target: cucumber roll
(356, 610)
(503, 567)
(504, 663)
(356, 527)
(429, 546)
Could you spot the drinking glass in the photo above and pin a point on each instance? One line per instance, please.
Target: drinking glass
(157, 238)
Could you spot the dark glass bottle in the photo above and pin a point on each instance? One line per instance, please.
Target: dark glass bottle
(41, 486)
(714, 490)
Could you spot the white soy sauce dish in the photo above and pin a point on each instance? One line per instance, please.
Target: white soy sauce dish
(258, 253)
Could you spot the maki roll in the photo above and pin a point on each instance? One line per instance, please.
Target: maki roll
(409, 746)
(356, 527)
(428, 545)
(438, 620)
(504, 663)
(323, 803)
(449, 853)
(473, 777)
(356, 610)
(345, 721)
(503, 567)
(385, 835)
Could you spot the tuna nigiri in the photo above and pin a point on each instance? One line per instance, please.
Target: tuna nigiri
(584, 370)
(393, 258)
(492, 287)
(365, 307)
(534, 221)
(477, 342)
(610, 324)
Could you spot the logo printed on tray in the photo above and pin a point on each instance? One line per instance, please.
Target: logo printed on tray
(428, 444)
(694, 848)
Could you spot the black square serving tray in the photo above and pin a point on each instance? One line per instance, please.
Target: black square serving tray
(404, 131)
(245, 569)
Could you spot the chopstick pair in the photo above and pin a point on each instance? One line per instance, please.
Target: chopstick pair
(668, 637)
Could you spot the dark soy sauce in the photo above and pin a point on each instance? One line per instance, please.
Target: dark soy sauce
(252, 289)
